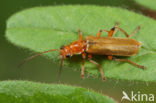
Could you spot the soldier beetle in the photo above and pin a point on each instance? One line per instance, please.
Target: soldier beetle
(109, 46)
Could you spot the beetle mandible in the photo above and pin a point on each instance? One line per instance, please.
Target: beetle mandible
(109, 46)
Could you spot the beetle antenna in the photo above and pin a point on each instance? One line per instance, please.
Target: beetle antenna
(60, 69)
(29, 58)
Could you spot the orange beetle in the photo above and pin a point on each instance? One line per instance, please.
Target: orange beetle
(110, 46)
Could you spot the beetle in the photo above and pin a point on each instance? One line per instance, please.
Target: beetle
(109, 46)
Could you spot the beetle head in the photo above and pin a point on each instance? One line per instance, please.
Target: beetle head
(65, 52)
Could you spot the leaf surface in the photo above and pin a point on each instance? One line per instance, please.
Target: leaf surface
(31, 92)
(43, 28)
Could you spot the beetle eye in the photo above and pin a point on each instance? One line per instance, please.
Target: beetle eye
(62, 47)
(67, 55)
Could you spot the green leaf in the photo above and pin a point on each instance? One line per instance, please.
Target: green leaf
(147, 3)
(43, 28)
(31, 92)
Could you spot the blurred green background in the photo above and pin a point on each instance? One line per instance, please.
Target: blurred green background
(43, 70)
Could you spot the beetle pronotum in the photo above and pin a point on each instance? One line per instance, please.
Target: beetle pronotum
(110, 46)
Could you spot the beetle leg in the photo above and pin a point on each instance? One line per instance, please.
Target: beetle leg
(100, 31)
(110, 33)
(113, 30)
(110, 57)
(100, 68)
(124, 32)
(135, 31)
(60, 69)
(80, 35)
(129, 61)
(82, 68)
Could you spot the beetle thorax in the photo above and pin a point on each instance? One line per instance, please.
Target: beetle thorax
(76, 47)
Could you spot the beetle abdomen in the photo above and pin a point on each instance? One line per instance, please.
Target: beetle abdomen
(112, 46)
